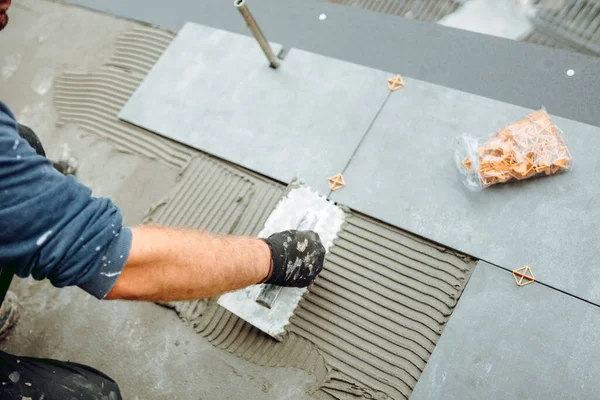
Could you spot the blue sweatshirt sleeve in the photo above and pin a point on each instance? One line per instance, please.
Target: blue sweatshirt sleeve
(50, 225)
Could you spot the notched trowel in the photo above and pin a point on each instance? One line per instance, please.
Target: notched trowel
(269, 307)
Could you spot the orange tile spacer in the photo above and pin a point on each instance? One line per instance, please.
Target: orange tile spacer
(336, 182)
(395, 83)
(466, 163)
(524, 273)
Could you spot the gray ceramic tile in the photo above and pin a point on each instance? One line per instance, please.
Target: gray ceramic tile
(502, 69)
(506, 342)
(214, 91)
(404, 174)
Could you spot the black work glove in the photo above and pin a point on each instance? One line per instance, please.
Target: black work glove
(297, 258)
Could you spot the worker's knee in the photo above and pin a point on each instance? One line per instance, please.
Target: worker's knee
(24, 377)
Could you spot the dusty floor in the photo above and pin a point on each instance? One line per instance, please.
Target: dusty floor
(143, 346)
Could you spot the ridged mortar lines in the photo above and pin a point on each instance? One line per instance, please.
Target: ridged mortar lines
(139, 49)
(93, 100)
(574, 26)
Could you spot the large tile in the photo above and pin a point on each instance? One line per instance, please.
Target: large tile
(214, 91)
(507, 342)
(404, 174)
(503, 69)
(200, 66)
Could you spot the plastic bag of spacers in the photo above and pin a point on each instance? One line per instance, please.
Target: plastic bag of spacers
(529, 148)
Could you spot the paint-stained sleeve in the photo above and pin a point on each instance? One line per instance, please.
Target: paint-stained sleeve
(50, 225)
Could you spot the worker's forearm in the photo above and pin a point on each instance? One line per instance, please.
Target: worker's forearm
(181, 264)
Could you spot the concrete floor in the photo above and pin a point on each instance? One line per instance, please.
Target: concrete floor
(144, 347)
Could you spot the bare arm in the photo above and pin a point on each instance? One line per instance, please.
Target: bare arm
(167, 264)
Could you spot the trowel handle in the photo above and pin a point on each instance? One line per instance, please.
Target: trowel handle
(268, 295)
(269, 292)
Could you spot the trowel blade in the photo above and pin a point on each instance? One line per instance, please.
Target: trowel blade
(288, 213)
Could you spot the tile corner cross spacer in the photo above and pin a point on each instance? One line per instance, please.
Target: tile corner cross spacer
(524, 273)
(336, 182)
(395, 83)
(466, 163)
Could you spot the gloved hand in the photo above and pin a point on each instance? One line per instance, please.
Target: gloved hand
(297, 258)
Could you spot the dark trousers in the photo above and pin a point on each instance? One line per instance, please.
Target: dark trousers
(36, 378)
(45, 379)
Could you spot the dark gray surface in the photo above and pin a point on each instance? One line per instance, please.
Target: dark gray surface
(404, 174)
(517, 73)
(214, 91)
(507, 342)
